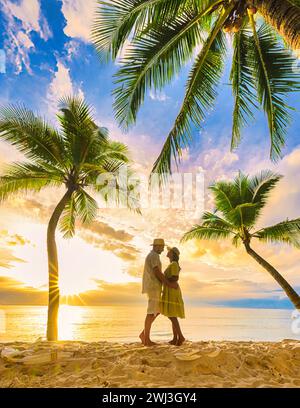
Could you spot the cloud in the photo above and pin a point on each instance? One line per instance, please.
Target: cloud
(79, 16)
(99, 234)
(217, 290)
(7, 259)
(104, 236)
(284, 201)
(72, 49)
(61, 83)
(14, 292)
(22, 19)
(60, 86)
(158, 96)
(112, 294)
(101, 228)
(7, 241)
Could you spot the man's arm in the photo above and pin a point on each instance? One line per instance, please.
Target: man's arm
(160, 276)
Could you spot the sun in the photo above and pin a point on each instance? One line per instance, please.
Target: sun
(81, 265)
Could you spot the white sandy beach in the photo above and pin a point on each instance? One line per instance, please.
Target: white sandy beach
(104, 364)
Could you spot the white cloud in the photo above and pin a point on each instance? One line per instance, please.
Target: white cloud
(27, 11)
(60, 86)
(79, 16)
(285, 199)
(72, 48)
(21, 19)
(158, 96)
(61, 83)
(24, 40)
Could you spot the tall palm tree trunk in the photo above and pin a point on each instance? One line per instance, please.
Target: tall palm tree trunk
(290, 292)
(284, 17)
(53, 302)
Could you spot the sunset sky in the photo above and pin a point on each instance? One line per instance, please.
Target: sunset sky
(48, 55)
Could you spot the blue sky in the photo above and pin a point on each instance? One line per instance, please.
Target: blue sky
(48, 55)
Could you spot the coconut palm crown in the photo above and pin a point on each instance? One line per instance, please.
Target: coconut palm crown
(164, 35)
(239, 204)
(76, 157)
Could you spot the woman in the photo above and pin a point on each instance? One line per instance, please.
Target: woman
(171, 304)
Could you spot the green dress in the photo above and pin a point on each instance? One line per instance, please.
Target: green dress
(171, 303)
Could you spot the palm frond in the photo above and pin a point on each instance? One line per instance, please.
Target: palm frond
(199, 97)
(213, 220)
(99, 144)
(31, 135)
(114, 166)
(236, 240)
(261, 185)
(116, 20)
(222, 192)
(79, 128)
(243, 215)
(202, 232)
(243, 86)
(273, 68)
(284, 232)
(153, 60)
(241, 200)
(26, 177)
(68, 218)
(86, 207)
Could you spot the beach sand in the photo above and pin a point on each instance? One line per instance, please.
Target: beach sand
(194, 364)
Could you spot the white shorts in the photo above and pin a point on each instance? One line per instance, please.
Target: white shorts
(153, 304)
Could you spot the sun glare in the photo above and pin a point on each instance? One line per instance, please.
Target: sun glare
(81, 265)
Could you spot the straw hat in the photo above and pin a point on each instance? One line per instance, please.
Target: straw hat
(158, 241)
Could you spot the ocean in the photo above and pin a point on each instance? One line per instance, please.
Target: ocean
(124, 323)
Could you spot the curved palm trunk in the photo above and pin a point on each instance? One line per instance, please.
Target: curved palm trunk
(284, 16)
(290, 292)
(53, 302)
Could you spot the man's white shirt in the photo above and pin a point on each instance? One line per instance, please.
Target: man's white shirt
(151, 284)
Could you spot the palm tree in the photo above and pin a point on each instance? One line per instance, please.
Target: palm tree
(73, 157)
(240, 203)
(166, 34)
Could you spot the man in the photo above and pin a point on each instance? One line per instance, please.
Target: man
(153, 278)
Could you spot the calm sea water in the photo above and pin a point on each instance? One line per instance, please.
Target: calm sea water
(123, 324)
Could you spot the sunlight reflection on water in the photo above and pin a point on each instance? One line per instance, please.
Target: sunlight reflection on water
(123, 323)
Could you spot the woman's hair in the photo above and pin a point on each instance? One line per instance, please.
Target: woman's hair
(175, 258)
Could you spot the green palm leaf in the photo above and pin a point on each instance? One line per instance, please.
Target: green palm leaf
(79, 128)
(68, 218)
(116, 20)
(243, 85)
(272, 66)
(222, 192)
(153, 60)
(31, 135)
(261, 185)
(86, 206)
(243, 214)
(199, 97)
(26, 177)
(285, 232)
(202, 232)
(213, 220)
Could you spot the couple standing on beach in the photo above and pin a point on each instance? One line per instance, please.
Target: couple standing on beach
(163, 291)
